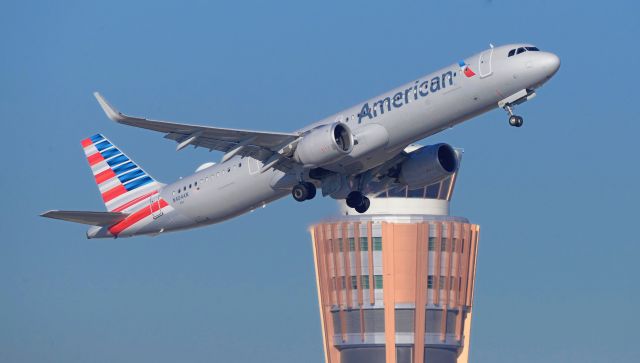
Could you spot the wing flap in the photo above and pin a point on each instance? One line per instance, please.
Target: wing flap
(90, 218)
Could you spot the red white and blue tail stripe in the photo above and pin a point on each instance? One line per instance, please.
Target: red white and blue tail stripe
(122, 183)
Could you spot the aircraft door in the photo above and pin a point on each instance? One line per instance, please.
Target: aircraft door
(484, 63)
(254, 166)
(154, 204)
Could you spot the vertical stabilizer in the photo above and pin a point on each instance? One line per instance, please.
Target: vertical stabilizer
(122, 183)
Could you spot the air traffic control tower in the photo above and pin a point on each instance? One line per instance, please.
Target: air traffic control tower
(395, 284)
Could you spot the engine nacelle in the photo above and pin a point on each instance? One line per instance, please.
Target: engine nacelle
(428, 165)
(324, 145)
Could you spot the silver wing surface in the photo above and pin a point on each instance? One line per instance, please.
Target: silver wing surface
(90, 218)
(271, 148)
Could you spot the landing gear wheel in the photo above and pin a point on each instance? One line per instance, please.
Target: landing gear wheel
(516, 121)
(364, 206)
(354, 199)
(312, 190)
(300, 192)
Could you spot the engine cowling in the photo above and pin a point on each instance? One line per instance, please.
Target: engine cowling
(324, 145)
(428, 165)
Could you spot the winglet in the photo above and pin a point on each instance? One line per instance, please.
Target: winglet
(111, 112)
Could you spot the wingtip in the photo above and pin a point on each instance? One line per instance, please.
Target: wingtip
(46, 214)
(109, 110)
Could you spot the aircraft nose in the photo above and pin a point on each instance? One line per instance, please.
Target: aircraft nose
(550, 63)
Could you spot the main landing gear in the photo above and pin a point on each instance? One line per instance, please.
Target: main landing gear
(514, 120)
(358, 201)
(303, 191)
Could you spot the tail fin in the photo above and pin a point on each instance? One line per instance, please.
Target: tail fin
(121, 182)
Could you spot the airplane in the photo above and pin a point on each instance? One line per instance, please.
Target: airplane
(355, 153)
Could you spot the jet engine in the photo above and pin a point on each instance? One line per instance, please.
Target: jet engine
(428, 165)
(324, 145)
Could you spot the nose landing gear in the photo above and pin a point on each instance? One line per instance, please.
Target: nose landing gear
(514, 120)
(358, 201)
(303, 191)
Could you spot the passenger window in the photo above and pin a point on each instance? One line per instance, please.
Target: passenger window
(521, 50)
(512, 52)
(196, 184)
(189, 186)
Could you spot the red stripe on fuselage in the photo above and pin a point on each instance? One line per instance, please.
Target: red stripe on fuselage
(104, 176)
(134, 201)
(95, 158)
(86, 142)
(112, 193)
(468, 72)
(136, 217)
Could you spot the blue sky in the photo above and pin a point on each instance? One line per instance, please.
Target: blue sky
(557, 199)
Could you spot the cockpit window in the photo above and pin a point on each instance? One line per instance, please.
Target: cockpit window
(513, 52)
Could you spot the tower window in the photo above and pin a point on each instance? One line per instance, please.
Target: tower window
(364, 244)
(378, 281)
(377, 243)
(364, 281)
(354, 282)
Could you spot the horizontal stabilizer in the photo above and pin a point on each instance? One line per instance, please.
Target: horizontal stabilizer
(91, 218)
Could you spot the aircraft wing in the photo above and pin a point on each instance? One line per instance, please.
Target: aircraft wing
(90, 218)
(264, 146)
